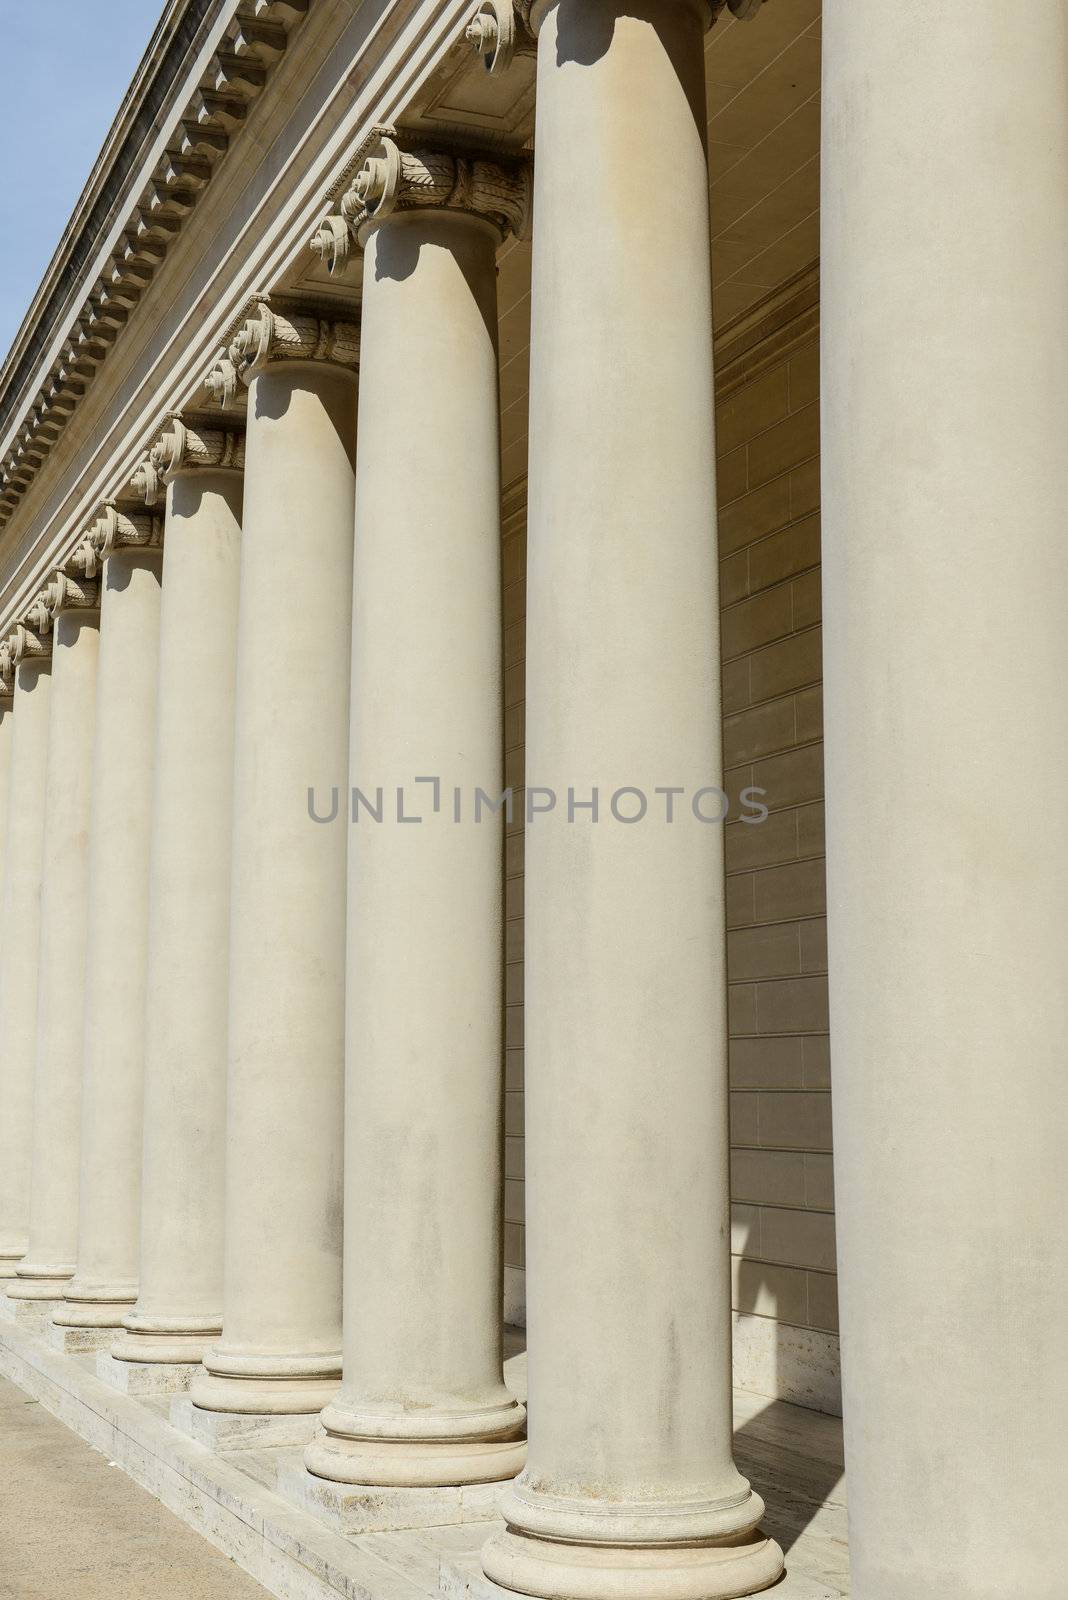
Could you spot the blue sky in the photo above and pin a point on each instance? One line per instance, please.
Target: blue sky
(64, 67)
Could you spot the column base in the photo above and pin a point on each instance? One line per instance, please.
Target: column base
(31, 1286)
(389, 1463)
(351, 1508)
(170, 1341)
(263, 1397)
(9, 1262)
(551, 1571)
(91, 1314)
(425, 1446)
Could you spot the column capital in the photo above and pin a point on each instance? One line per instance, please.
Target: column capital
(398, 177)
(68, 591)
(223, 382)
(187, 447)
(497, 23)
(117, 529)
(499, 31)
(7, 669)
(32, 636)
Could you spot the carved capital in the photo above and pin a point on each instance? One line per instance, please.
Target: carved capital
(394, 180)
(86, 558)
(271, 334)
(115, 529)
(32, 638)
(499, 31)
(223, 382)
(7, 673)
(182, 448)
(72, 591)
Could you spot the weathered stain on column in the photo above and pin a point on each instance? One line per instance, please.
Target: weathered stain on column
(280, 1349)
(944, 311)
(72, 601)
(630, 1486)
(424, 1400)
(128, 543)
(27, 656)
(196, 466)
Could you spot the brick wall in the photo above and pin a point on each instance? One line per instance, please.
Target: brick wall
(781, 1164)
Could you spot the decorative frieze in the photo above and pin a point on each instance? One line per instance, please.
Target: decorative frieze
(234, 77)
(396, 179)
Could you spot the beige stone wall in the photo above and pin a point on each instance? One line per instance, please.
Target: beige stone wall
(781, 1164)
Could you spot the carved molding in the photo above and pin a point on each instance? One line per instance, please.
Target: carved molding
(234, 77)
(394, 180)
(273, 332)
(184, 448)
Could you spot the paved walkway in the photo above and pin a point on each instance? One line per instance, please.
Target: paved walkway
(73, 1528)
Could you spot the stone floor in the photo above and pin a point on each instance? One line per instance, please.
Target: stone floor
(70, 1524)
(74, 1525)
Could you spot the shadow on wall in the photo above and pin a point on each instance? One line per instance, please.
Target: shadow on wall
(791, 1453)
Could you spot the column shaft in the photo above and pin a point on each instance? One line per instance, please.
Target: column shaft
(630, 1486)
(50, 1258)
(105, 1283)
(280, 1348)
(424, 1401)
(20, 950)
(945, 571)
(179, 1306)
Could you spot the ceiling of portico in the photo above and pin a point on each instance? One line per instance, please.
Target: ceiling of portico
(763, 91)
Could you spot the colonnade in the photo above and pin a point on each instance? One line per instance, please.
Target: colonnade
(251, 1083)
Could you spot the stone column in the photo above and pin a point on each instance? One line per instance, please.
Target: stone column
(29, 651)
(70, 607)
(7, 725)
(630, 1486)
(105, 1283)
(424, 1401)
(179, 1306)
(945, 570)
(281, 1344)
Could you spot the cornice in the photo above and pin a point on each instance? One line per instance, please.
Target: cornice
(409, 56)
(200, 135)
